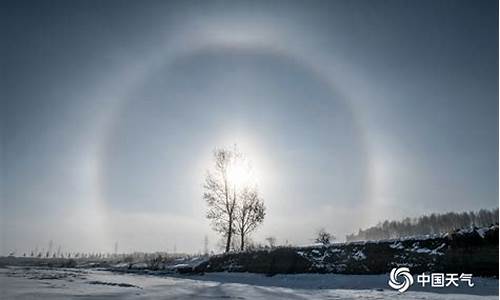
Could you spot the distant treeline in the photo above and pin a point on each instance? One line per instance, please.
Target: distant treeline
(427, 224)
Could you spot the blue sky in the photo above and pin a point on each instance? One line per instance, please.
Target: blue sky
(351, 111)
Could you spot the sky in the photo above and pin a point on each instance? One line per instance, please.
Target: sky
(352, 112)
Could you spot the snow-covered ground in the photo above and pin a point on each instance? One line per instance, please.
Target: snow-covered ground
(38, 283)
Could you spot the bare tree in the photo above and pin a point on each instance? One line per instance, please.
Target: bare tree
(271, 240)
(235, 206)
(220, 194)
(324, 237)
(205, 246)
(250, 213)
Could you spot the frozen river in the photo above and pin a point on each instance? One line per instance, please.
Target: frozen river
(39, 283)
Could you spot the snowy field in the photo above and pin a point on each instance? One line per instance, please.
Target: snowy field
(39, 283)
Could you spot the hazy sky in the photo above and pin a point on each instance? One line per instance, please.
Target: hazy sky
(351, 111)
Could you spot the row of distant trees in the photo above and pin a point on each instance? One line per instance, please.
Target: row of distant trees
(48, 254)
(427, 224)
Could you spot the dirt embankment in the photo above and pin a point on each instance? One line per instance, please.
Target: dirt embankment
(466, 251)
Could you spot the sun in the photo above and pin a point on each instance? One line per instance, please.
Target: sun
(240, 173)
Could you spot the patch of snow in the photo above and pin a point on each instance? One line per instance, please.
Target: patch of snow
(482, 232)
(359, 255)
(121, 265)
(139, 266)
(435, 251)
(397, 245)
(422, 250)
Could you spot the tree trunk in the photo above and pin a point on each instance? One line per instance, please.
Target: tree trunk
(242, 240)
(229, 233)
